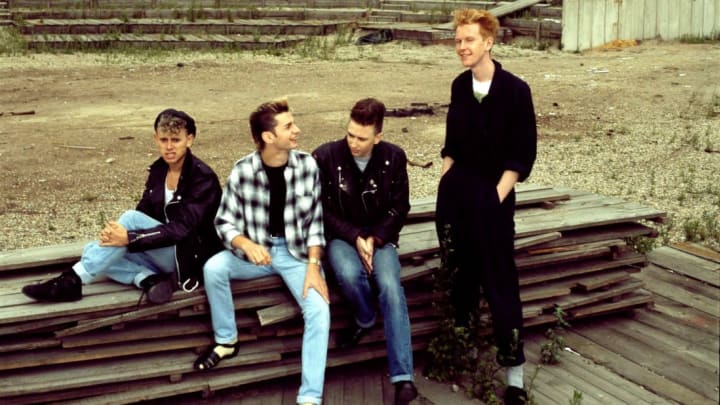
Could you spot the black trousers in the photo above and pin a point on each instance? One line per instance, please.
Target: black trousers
(482, 236)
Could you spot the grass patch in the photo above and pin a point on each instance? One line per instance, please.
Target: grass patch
(11, 41)
(698, 39)
(705, 229)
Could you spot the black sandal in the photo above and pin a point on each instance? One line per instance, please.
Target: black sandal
(211, 358)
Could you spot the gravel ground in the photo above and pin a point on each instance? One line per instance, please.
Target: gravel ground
(639, 123)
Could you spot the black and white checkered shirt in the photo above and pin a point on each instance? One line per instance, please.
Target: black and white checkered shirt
(245, 206)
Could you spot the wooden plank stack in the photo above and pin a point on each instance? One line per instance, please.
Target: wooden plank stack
(572, 252)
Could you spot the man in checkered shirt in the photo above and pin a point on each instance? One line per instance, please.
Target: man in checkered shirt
(270, 220)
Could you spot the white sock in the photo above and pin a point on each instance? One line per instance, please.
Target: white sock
(223, 351)
(515, 376)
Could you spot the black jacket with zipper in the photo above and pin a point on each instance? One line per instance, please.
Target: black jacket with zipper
(370, 203)
(187, 220)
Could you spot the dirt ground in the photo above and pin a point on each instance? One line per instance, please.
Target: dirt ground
(633, 122)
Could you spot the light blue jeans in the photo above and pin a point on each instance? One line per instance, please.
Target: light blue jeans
(225, 266)
(355, 283)
(119, 264)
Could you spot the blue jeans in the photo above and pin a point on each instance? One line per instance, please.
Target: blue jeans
(355, 283)
(225, 266)
(119, 264)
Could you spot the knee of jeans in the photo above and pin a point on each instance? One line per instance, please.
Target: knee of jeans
(214, 272)
(129, 217)
(389, 283)
(89, 246)
(344, 274)
(317, 311)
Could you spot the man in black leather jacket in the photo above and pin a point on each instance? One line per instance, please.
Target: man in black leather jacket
(365, 197)
(167, 238)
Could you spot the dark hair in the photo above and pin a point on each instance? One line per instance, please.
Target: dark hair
(263, 119)
(369, 111)
(173, 121)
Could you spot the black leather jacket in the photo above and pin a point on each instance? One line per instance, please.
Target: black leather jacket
(370, 203)
(187, 220)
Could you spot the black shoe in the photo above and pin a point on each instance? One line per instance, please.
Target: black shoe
(515, 396)
(158, 288)
(405, 392)
(64, 288)
(351, 336)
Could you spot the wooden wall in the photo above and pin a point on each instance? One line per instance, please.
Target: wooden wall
(592, 23)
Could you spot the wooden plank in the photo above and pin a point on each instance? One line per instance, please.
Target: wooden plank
(687, 264)
(288, 310)
(65, 356)
(698, 250)
(569, 219)
(424, 242)
(37, 310)
(612, 243)
(687, 316)
(194, 298)
(40, 256)
(574, 364)
(145, 330)
(14, 281)
(599, 233)
(524, 243)
(593, 391)
(640, 375)
(678, 288)
(531, 262)
(26, 344)
(705, 361)
(677, 368)
(576, 268)
(692, 335)
(602, 280)
(424, 208)
(226, 377)
(64, 376)
(539, 292)
(50, 324)
(66, 254)
(129, 316)
(531, 197)
(632, 300)
(560, 390)
(511, 7)
(100, 291)
(579, 300)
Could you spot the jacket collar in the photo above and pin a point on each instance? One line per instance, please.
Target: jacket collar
(257, 164)
(161, 166)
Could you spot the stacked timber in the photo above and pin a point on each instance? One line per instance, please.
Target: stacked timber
(572, 251)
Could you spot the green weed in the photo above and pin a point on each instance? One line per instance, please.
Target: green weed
(551, 350)
(11, 41)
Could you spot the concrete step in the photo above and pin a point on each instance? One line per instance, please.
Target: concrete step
(197, 4)
(286, 14)
(382, 19)
(152, 26)
(102, 41)
(396, 7)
